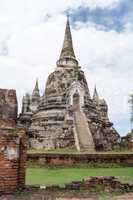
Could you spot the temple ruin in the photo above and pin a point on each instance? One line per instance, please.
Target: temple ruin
(66, 115)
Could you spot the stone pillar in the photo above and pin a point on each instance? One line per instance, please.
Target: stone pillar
(12, 160)
(22, 158)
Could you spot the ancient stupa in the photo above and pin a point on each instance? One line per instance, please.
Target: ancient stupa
(66, 115)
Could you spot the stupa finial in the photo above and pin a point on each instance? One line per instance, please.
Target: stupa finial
(67, 51)
(95, 94)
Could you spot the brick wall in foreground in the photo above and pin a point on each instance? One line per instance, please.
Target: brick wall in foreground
(12, 159)
(103, 183)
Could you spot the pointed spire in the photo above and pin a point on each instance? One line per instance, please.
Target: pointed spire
(95, 94)
(36, 89)
(67, 51)
(36, 86)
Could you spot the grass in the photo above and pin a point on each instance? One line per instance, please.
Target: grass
(65, 150)
(74, 151)
(60, 176)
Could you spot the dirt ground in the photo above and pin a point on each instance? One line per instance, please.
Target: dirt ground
(72, 195)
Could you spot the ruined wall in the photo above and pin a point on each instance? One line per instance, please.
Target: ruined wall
(110, 184)
(8, 108)
(12, 144)
(12, 159)
(73, 159)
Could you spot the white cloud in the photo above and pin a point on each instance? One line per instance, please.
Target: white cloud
(34, 46)
(108, 62)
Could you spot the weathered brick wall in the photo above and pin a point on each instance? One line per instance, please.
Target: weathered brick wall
(22, 158)
(8, 108)
(12, 144)
(72, 159)
(12, 159)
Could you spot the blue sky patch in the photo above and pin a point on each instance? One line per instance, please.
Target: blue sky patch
(106, 18)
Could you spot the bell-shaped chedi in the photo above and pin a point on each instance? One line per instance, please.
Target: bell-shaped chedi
(66, 115)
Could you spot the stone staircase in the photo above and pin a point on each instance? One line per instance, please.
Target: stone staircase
(84, 135)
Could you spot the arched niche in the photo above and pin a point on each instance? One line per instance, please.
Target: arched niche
(76, 94)
(76, 101)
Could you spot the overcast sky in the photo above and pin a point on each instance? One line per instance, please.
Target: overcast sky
(31, 37)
